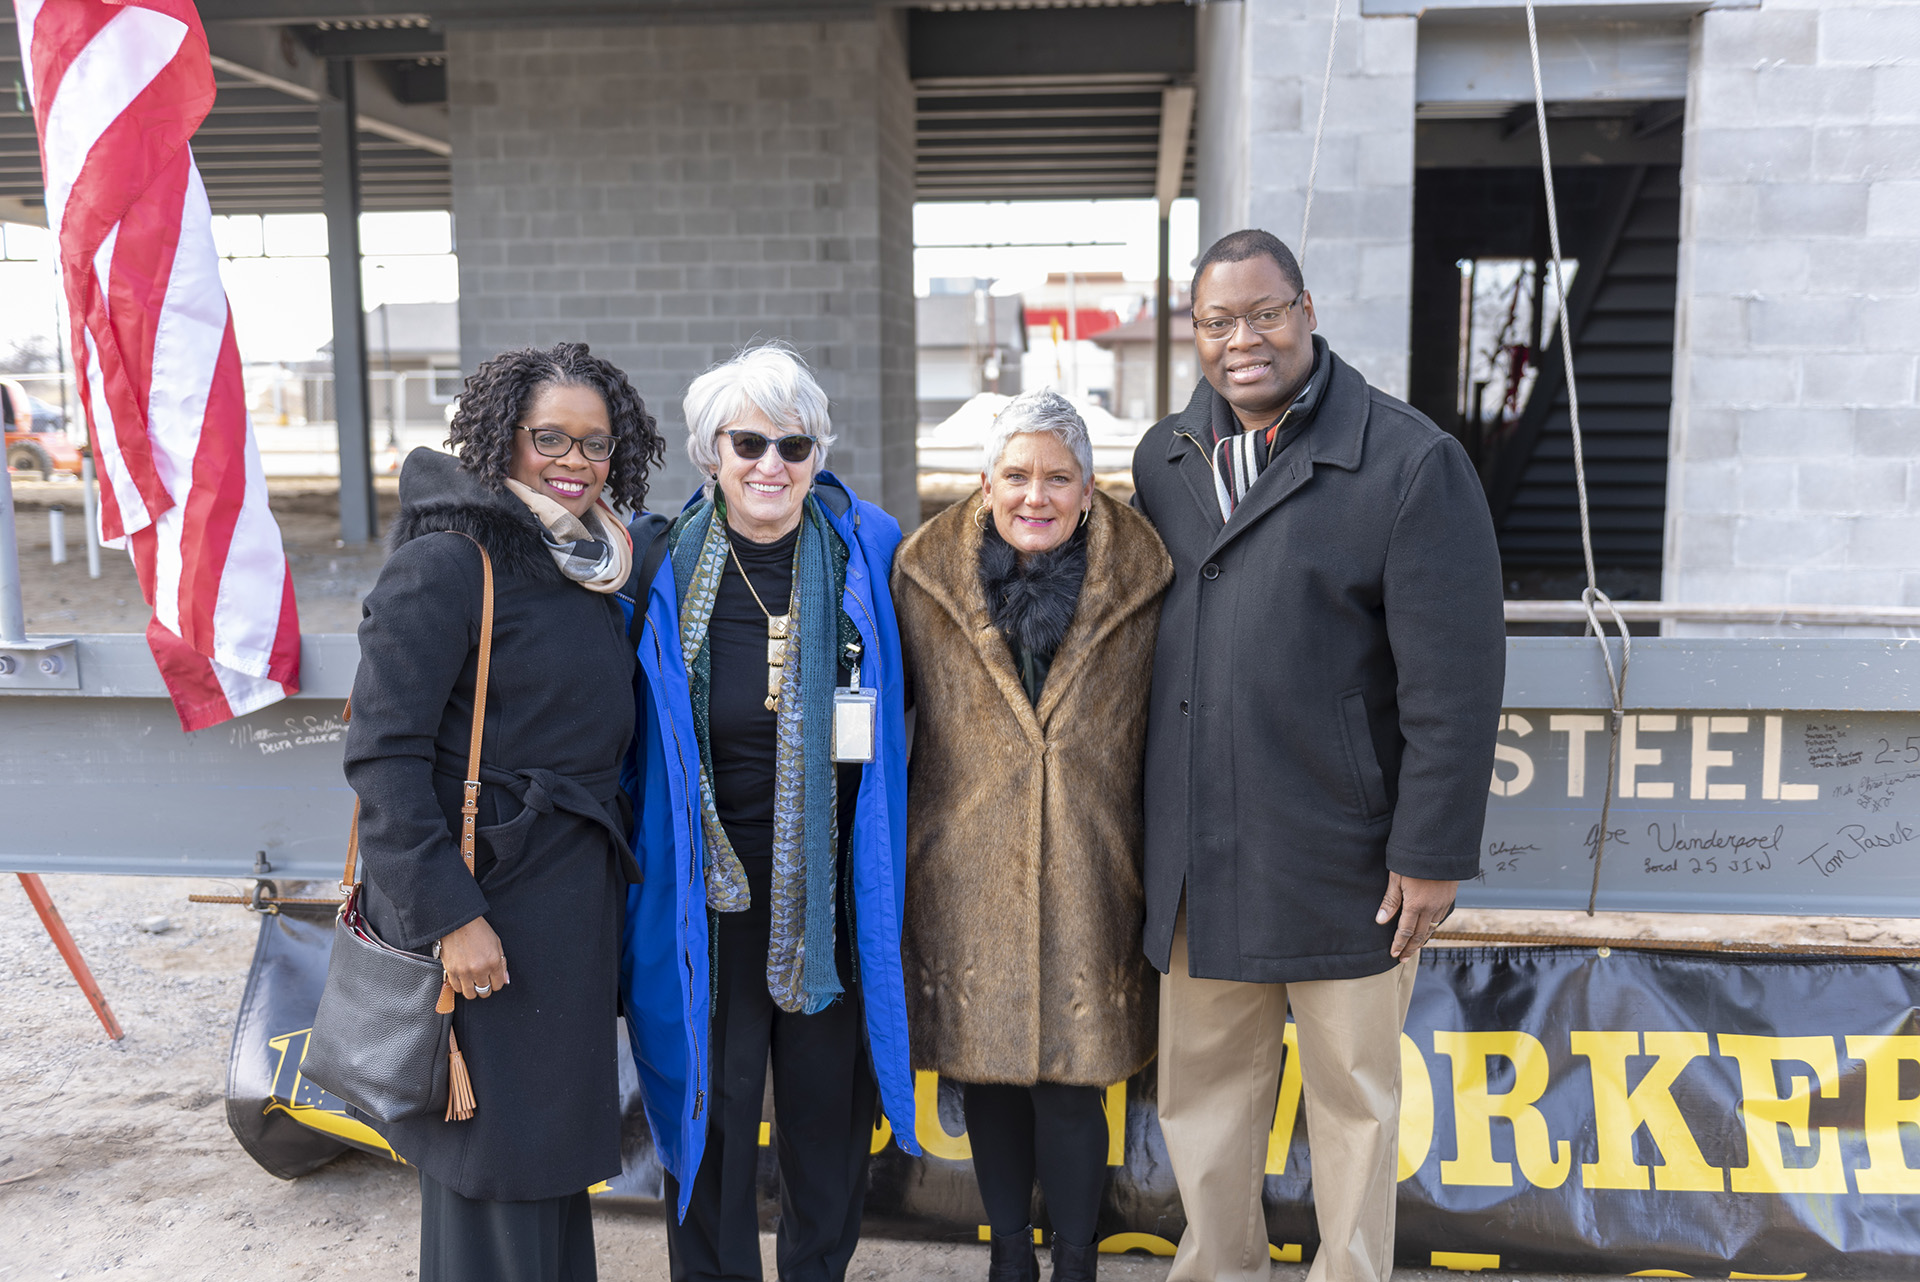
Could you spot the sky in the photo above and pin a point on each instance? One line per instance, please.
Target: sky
(275, 267)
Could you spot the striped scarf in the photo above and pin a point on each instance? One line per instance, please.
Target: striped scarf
(801, 974)
(1240, 456)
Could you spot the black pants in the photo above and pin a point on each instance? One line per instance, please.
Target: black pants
(1056, 1132)
(464, 1240)
(825, 1103)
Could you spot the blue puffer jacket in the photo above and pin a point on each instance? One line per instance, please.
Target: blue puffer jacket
(664, 981)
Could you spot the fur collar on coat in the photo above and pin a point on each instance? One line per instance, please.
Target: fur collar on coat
(1032, 604)
(437, 494)
(1024, 902)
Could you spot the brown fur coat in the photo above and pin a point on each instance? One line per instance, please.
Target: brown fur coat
(1024, 902)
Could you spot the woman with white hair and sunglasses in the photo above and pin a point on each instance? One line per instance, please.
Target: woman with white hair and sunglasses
(771, 788)
(1028, 613)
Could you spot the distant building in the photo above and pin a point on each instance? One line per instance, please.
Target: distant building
(969, 341)
(1133, 363)
(413, 353)
(1063, 316)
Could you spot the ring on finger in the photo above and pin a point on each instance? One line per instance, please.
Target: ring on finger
(483, 989)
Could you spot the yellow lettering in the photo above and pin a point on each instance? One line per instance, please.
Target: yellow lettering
(1886, 1170)
(1764, 1111)
(1577, 727)
(1416, 1108)
(1633, 756)
(1706, 757)
(1514, 756)
(933, 1137)
(1280, 1138)
(1618, 1112)
(1475, 1107)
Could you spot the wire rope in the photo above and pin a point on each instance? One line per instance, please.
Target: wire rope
(1319, 132)
(1592, 598)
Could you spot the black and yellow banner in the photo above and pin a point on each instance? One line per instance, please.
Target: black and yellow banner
(1663, 1115)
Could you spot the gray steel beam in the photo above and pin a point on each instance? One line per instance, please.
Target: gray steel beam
(1157, 38)
(340, 180)
(1766, 776)
(371, 41)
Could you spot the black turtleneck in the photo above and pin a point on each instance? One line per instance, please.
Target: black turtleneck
(741, 730)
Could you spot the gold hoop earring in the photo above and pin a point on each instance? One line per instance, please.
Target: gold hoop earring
(980, 517)
(1085, 512)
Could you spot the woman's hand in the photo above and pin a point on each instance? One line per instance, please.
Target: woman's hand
(473, 960)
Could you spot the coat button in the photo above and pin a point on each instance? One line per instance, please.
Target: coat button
(1210, 571)
(1183, 708)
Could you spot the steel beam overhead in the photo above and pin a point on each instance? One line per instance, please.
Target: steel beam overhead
(340, 167)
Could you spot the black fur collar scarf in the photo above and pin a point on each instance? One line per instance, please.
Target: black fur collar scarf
(1032, 604)
(437, 494)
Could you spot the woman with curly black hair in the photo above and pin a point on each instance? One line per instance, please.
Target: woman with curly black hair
(530, 936)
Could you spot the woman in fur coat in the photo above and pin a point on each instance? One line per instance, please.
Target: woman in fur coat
(1028, 614)
(530, 936)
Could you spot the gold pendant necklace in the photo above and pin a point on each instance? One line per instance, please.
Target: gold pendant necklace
(779, 627)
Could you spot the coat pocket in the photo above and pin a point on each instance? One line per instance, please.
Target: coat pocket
(505, 842)
(1369, 784)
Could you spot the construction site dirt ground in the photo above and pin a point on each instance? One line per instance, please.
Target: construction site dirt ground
(116, 1158)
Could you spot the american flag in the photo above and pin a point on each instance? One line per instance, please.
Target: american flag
(118, 88)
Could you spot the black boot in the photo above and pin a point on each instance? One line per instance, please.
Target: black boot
(1013, 1259)
(1075, 1263)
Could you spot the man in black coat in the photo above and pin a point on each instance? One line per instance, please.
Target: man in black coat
(1326, 690)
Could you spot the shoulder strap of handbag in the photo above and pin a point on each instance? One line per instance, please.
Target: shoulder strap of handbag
(470, 799)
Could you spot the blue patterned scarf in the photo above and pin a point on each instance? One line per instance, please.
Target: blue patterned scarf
(801, 975)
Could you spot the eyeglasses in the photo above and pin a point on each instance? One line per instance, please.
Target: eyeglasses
(751, 445)
(557, 444)
(1267, 320)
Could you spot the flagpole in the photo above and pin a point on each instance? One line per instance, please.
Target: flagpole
(13, 615)
(90, 500)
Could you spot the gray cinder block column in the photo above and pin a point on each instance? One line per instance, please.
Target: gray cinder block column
(669, 193)
(1795, 467)
(1261, 68)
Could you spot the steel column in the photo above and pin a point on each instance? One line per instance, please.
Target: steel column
(340, 196)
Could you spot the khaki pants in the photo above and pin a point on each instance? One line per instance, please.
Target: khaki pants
(1220, 1051)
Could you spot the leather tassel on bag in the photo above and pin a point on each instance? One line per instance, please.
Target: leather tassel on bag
(459, 1085)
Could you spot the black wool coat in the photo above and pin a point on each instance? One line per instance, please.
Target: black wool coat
(552, 861)
(1326, 686)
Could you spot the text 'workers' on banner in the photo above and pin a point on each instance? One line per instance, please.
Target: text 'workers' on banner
(1563, 1109)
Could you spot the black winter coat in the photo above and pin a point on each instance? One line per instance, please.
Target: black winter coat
(552, 859)
(1326, 686)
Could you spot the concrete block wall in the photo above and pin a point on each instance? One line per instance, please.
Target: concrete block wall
(669, 193)
(1795, 450)
(1359, 252)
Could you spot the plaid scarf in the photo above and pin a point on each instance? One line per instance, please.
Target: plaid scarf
(1240, 456)
(596, 553)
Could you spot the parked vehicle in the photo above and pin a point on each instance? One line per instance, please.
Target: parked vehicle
(36, 434)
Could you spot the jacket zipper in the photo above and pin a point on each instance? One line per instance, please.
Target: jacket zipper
(700, 1095)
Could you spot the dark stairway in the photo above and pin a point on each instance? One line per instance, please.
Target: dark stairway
(1621, 312)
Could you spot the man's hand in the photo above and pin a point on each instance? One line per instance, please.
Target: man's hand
(475, 964)
(1420, 904)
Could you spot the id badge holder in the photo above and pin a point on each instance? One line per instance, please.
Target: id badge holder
(854, 713)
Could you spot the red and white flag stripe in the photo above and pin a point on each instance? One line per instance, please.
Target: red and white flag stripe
(118, 87)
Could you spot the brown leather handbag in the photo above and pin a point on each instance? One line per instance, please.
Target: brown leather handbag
(383, 1037)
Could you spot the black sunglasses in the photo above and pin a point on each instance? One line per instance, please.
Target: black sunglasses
(557, 444)
(750, 445)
